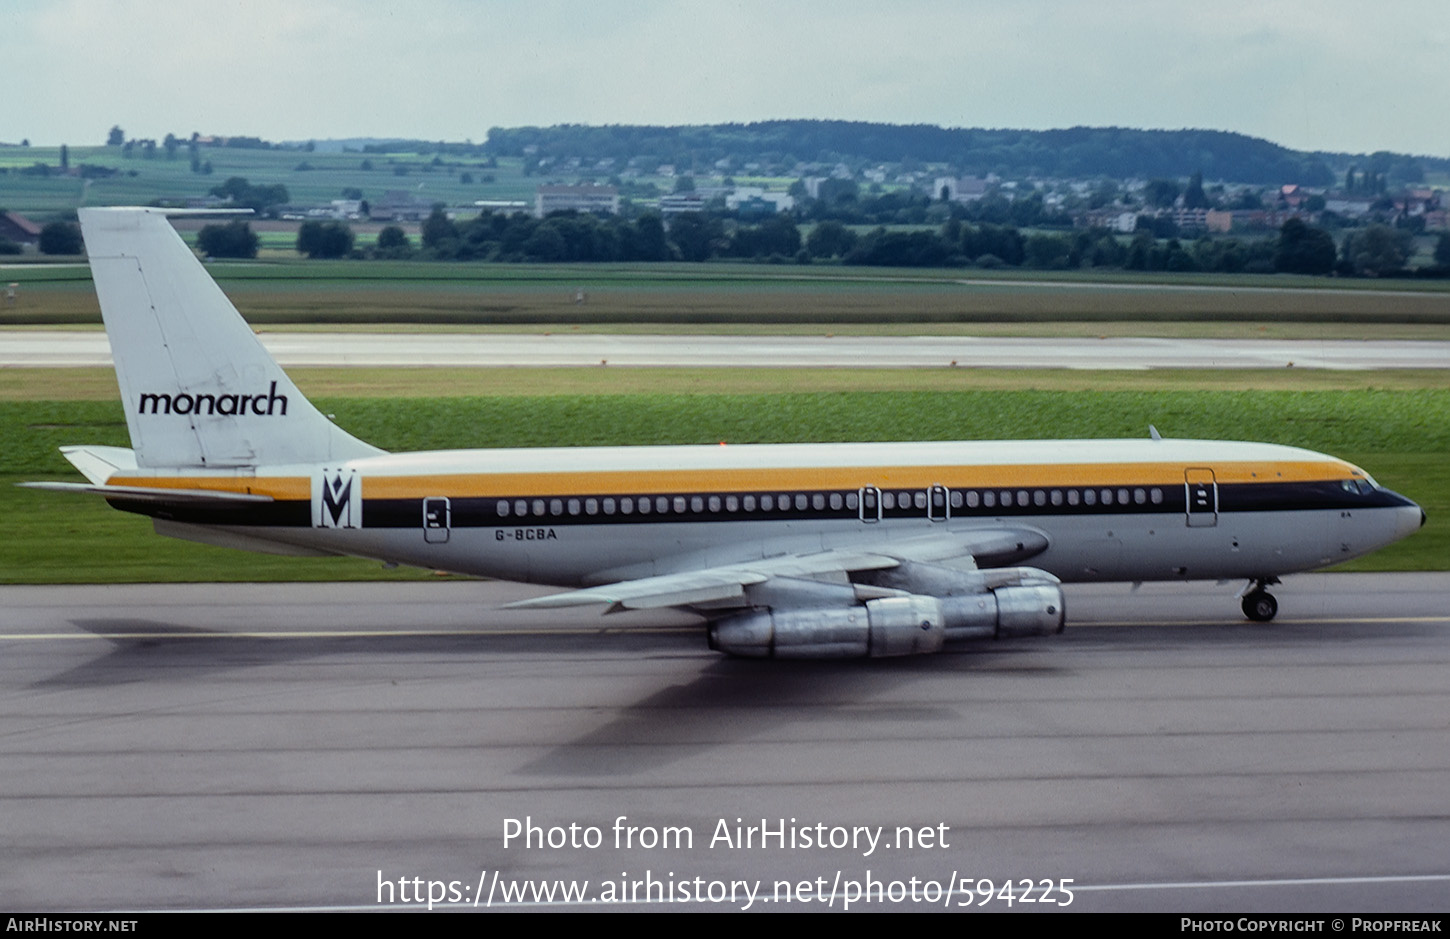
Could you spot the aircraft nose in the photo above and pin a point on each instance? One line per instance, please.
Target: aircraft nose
(1412, 519)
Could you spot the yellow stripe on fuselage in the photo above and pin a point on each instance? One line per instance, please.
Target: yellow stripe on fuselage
(615, 482)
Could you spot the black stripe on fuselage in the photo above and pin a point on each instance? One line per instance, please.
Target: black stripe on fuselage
(564, 510)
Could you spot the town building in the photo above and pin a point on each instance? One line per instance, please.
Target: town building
(601, 200)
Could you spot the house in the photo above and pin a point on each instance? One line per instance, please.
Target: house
(398, 205)
(964, 190)
(679, 202)
(19, 229)
(602, 200)
(757, 200)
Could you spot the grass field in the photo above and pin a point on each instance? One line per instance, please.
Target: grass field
(1397, 429)
(1395, 424)
(330, 173)
(763, 297)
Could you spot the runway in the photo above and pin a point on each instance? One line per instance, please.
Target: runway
(55, 348)
(311, 746)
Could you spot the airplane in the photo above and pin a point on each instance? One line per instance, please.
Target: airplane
(789, 551)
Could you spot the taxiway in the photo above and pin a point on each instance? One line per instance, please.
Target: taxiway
(291, 746)
(56, 348)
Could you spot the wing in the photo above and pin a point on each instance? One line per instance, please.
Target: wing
(951, 559)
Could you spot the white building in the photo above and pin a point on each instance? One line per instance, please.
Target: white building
(602, 200)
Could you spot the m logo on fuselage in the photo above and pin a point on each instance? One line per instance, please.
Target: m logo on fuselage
(336, 499)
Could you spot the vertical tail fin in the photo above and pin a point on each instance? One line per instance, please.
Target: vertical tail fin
(198, 388)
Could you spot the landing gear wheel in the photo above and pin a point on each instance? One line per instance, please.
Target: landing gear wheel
(1260, 606)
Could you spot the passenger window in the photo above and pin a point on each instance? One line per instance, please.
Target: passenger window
(521, 507)
(1156, 495)
(920, 499)
(662, 504)
(732, 504)
(573, 506)
(1122, 497)
(818, 501)
(1039, 497)
(556, 506)
(836, 500)
(853, 499)
(644, 505)
(767, 502)
(714, 503)
(609, 506)
(538, 506)
(1073, 498)
(989, 498)
(1107, 497)
(750, 503)
(800, 501)
(1057, 497)
(956, 499)
(503, 508)
(679, 504)
(1140, 496)
(974, 499)
(888, 500)
(1090, 497)
(591, 506)
(697, 504)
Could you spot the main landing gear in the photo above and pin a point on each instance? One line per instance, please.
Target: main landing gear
(1258, 604)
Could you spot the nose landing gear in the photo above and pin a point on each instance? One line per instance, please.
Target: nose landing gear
(1258, 604)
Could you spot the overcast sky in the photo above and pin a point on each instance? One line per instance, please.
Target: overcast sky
(1340, 75)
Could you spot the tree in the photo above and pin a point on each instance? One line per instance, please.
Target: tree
(1442, 250)
(324, 239)
(392, 237)
(696, 235)
(1161, 192)
(1303, 249)
(831, 239)
(116, 137)
(64, 157)
(233, 240)
(243, 193)
(649, 238)
(1047, 251)
(61, 238)
(1377, 250)
(438, 229)
(1194, 197)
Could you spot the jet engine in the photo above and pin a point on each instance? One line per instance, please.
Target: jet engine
(901, 625)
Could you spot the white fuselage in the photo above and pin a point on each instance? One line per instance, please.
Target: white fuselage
(1109, 509)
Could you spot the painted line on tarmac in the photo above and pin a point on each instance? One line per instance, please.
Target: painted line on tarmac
(363, 633)
(1281, 882)
(832, 898)
(1227, 621)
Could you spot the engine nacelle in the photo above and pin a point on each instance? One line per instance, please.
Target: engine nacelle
(890, 626)
(1007, 611)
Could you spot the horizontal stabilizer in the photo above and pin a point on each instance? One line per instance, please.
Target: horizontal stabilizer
(99, 464)
(149, 494)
